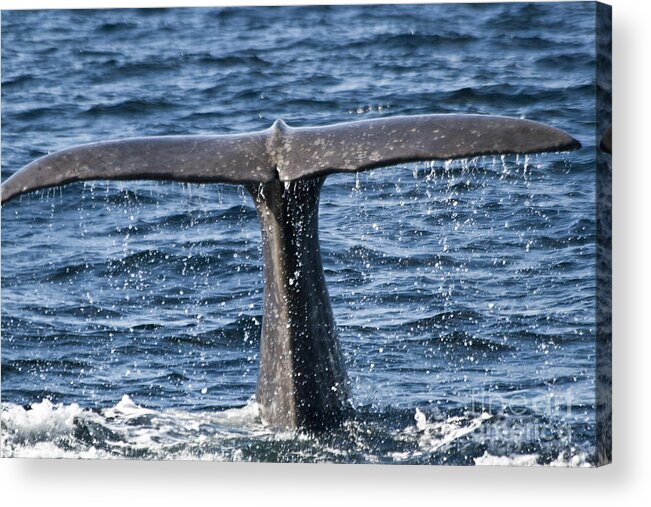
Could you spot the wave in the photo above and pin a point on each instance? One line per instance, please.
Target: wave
(376, 257)
(247, 60)
(18, 81)
(505, 93)
(519, 460)
(463, 342)
(130, 430)
(448, 318)
(130, 106)
(416, 40)
(42, 112)
(42, 365)
(116, 26)
(126, 430)
(198, 217)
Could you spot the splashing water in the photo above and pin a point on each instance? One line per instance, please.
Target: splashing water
(128, 430)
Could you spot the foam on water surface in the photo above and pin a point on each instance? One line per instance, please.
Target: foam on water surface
(127, 430)
(124, 430)
(579, 460)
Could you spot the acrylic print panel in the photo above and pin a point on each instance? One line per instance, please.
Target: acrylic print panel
(151, 319)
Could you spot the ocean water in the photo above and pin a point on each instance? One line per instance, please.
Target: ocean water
(464, 291)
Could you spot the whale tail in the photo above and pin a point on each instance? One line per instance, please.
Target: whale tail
(288, 154)
(302, 379)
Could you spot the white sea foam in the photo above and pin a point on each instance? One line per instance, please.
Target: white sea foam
(437, 434)
(43, 431)
(576, 460)
(518, 460)
(127, 409)
(43, 421)
(128, 430)
(56, 431)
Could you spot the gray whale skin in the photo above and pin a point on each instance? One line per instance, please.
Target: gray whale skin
(302, 381)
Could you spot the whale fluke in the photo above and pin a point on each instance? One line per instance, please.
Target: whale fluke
(198, 159)
(367, 144)
(302, 381)
(288, 154)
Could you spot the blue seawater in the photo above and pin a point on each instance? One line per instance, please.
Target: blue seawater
(464, 291)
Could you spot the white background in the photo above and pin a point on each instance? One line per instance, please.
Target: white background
(626, 481)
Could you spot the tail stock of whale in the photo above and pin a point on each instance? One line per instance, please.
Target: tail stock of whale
(302, 381)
